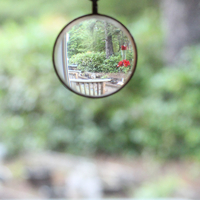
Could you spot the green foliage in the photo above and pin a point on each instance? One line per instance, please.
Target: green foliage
(90, 36)
(110, 65)
(86, 36)
(157, 114)
(95, 62)
(90, 61)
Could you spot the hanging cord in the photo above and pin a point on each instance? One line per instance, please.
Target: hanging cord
(95, 7)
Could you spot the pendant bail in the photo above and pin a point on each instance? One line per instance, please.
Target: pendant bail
(94, 7)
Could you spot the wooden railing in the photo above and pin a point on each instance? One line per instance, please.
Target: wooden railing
(91, 87)
(74, 74)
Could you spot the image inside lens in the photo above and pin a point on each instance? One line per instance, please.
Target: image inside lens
(95, 57)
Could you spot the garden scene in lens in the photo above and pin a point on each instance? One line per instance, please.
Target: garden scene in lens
(95, 57)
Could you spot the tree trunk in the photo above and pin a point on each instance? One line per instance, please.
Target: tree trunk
(108, 41)
(119, 41)
(182, 23)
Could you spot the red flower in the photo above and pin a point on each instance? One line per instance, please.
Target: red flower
(126, 63)
(120, 64)
(123, 47)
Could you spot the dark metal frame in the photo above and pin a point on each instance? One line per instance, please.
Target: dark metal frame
(135, 50)
(94, 6)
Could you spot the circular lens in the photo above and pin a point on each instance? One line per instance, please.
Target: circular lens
(95, 56)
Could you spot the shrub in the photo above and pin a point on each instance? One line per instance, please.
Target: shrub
(97, 62)
(89, 61)
(110, 65)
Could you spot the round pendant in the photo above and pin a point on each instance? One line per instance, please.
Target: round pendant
(95, 56)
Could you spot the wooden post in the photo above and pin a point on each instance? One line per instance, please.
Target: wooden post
(66, 75)
(98, 89)
(94, 89)
(103, 88)
(85, 88)
(89, 89)
(80, 88)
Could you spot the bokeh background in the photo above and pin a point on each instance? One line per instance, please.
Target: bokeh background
(141, 142)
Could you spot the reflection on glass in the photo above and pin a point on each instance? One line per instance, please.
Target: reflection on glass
(95, 57)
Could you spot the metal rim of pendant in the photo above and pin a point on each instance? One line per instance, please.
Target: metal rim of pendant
(95, 13)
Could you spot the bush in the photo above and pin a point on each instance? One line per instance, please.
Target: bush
(89, 61)
(97, 62)
(110, 65)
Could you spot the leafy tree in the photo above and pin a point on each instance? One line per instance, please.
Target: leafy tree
(97, 36)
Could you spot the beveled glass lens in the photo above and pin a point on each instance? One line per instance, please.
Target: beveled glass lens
(95, 56)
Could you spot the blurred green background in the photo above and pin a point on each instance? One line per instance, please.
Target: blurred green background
(156, 115)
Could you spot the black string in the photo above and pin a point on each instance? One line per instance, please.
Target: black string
(95, 7)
